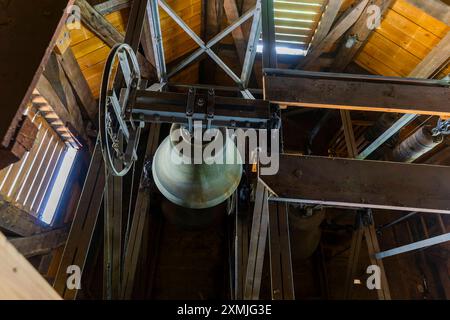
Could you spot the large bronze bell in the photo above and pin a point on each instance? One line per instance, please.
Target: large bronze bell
(201, 185)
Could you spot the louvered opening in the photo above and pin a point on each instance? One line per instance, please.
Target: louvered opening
(295, 24)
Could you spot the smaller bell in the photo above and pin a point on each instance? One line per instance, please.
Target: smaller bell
(188, 183)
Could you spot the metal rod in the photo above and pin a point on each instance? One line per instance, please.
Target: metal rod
(217, 88)
(199, 41)
(390, 224)
(250, 55)
(413, 246)
(212, 42)
(399, 124)
(247, 94)
(155, 30)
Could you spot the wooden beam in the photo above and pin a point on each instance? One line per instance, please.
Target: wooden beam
(79, 83)
(111, 6)
(373, 247)
(240, 34)
(361, 31)
(83, 225)
(356, 92)
(41, 243)
(360, 184)
(326, 22)
(19, 222)
(21, 142)
(104, 30)
(98, 24)
(341, 27)
(21, 67)
(232, 13)
(55, 88)
(349, 133)
(436, 59)
(18, 279)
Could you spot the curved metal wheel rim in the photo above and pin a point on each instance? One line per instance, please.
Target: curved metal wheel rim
(103, 106)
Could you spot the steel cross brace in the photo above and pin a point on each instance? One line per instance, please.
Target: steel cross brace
(207, 48)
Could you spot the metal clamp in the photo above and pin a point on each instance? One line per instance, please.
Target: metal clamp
(442, 128)
(210, 107)
(190, 107)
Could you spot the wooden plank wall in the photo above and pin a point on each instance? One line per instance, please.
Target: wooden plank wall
(405, 37)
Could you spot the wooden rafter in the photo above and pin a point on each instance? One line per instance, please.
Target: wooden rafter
(111, 6)
(359, 30)
(326, 22)
(79, 83)
(438, 57)
(105, 31)
(40, 244)
(341, 27)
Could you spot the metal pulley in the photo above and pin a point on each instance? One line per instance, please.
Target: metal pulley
(119, 135)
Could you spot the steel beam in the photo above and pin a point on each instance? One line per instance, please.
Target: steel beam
(250, 54)
(414, 246)
(360, 184)
(396, 127)
(155, 30)
(269, 55)
(357, 92)
(281, 276)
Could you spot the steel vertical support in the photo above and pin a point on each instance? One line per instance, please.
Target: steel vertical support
(268, 31)
(250, 55)
(155, 30)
